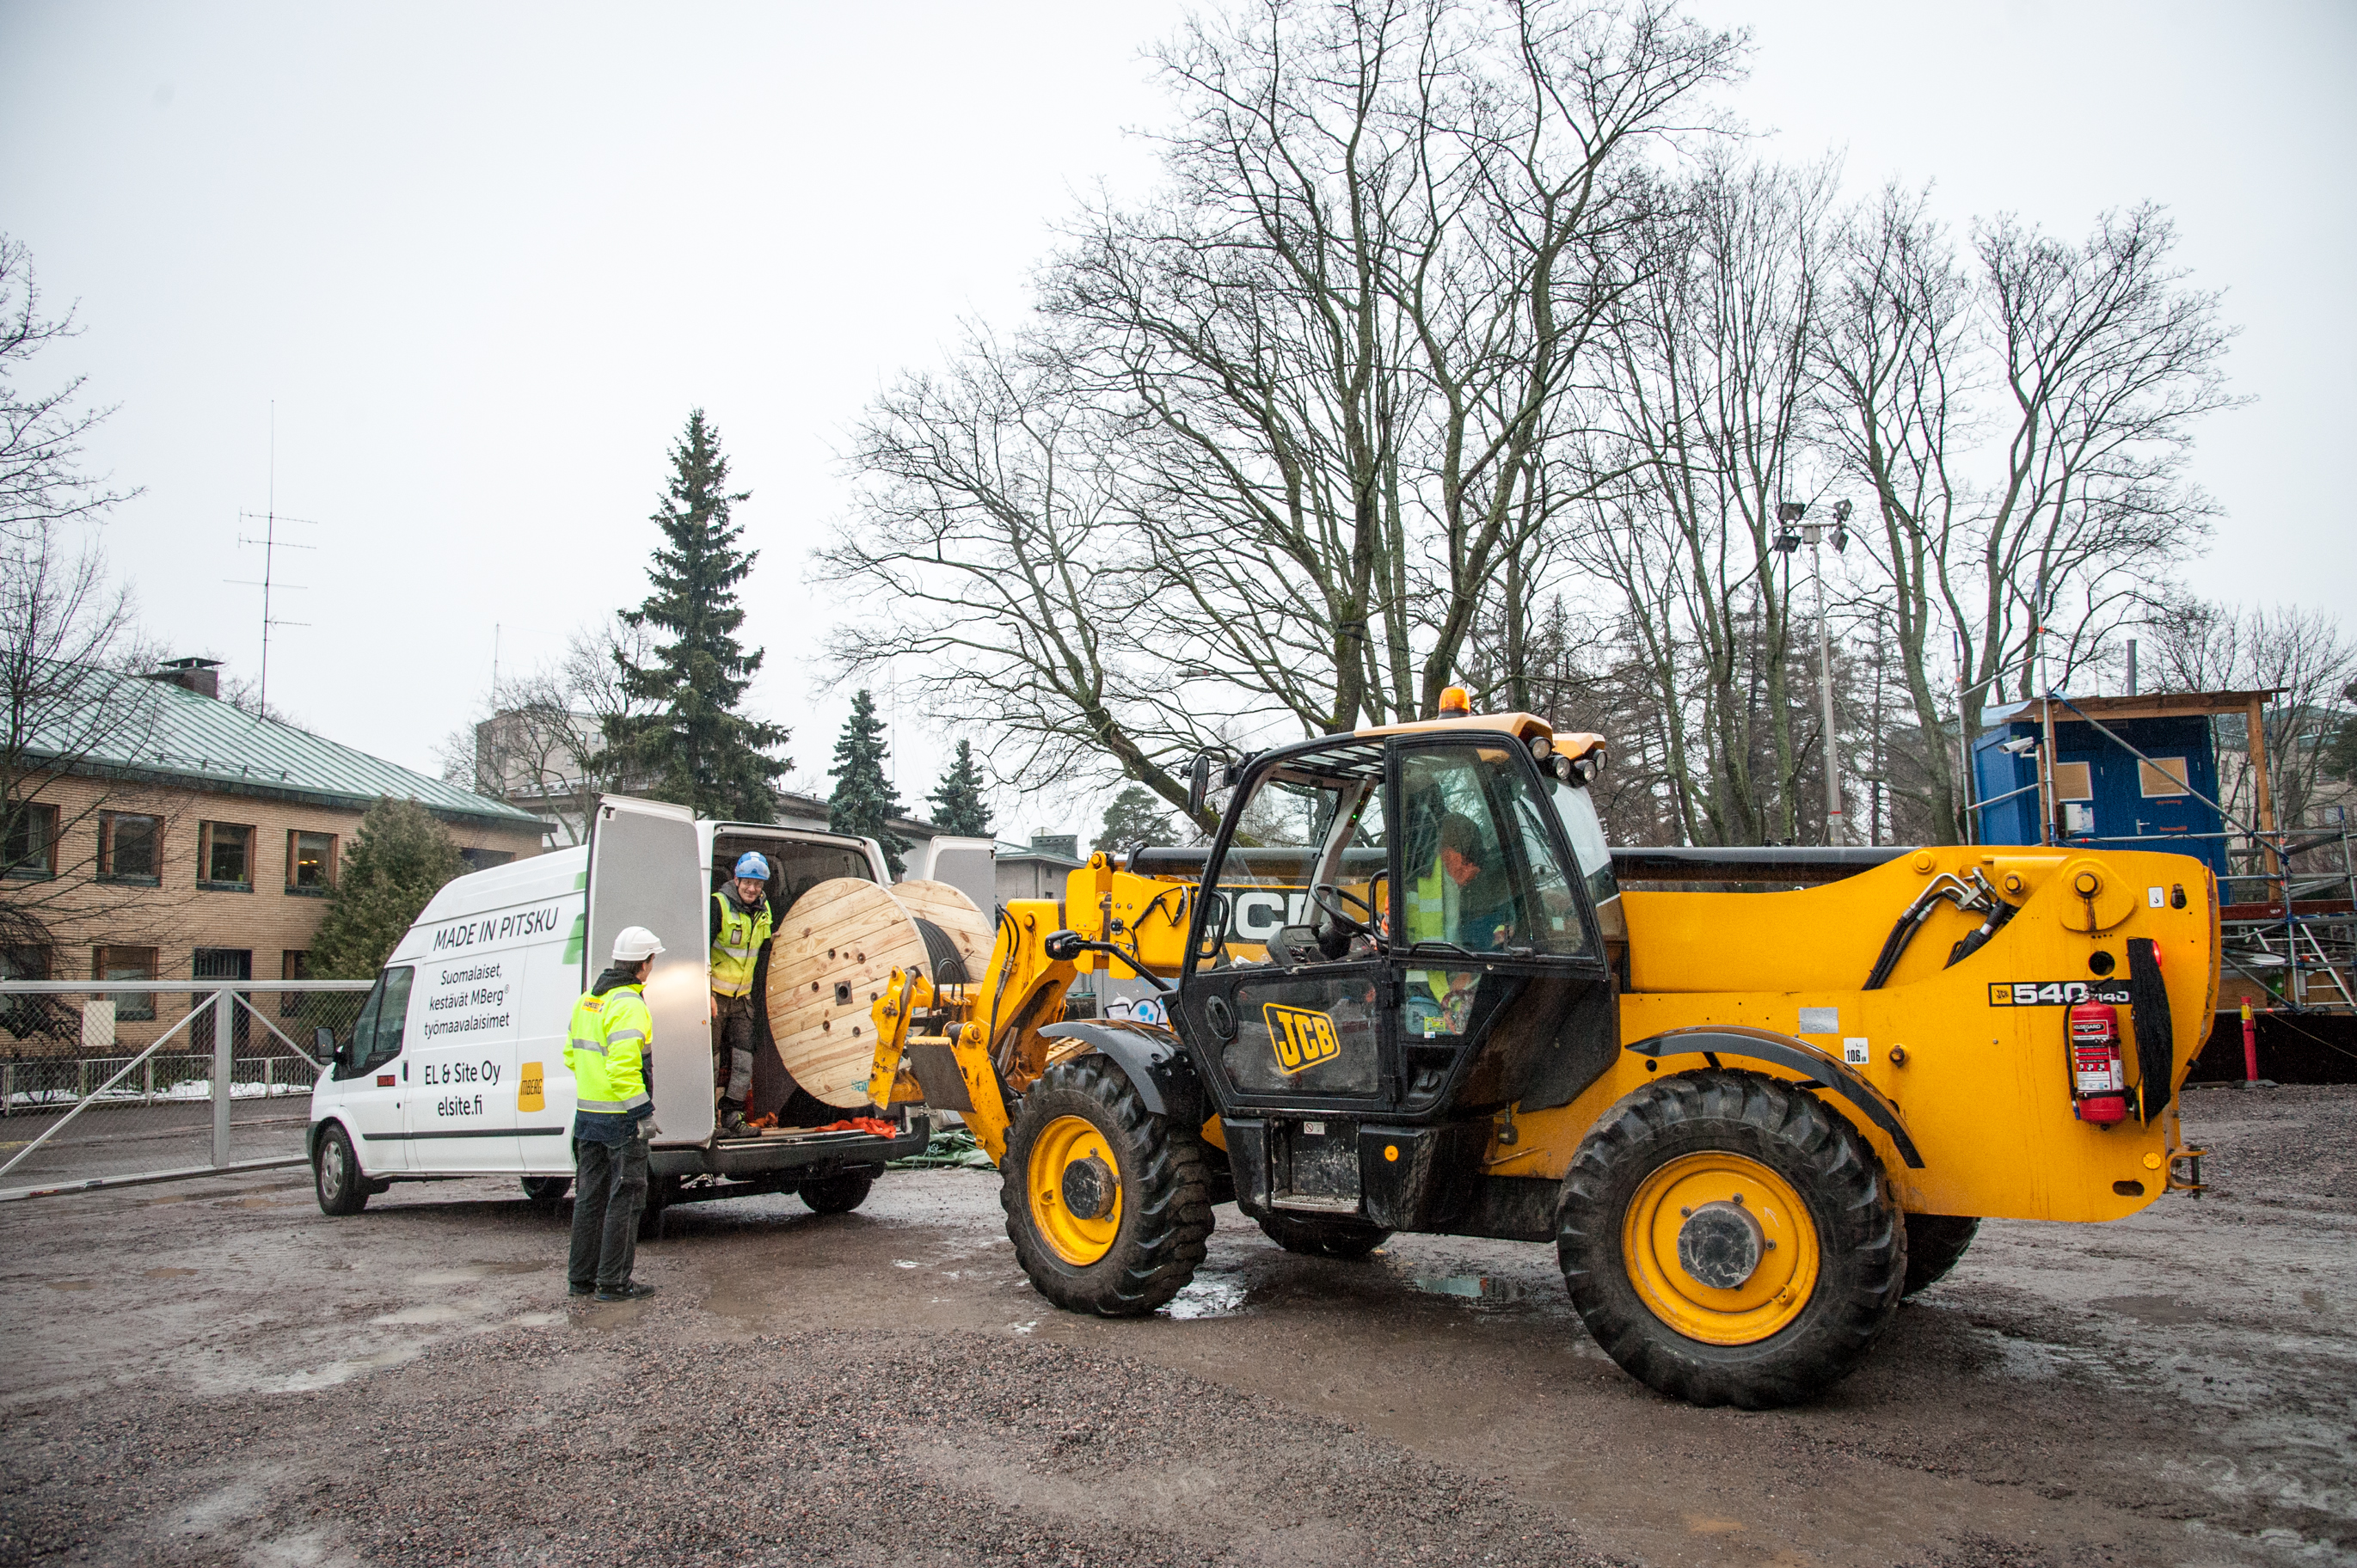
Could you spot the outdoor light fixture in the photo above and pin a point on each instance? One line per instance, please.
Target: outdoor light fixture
(1841, 526)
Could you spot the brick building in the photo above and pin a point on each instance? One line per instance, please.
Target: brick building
(184, 836)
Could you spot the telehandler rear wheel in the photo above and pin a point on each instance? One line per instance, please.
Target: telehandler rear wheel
(1324, 1238)
(1935, 1243)
(1106, 1203)
(1728, 1240)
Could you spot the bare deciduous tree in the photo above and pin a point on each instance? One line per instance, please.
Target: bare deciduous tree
(2022, 421)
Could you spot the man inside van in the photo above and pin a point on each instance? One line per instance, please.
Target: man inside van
(740, 929)
(613, 1121)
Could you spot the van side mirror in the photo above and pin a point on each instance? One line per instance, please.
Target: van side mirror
(324, 1045)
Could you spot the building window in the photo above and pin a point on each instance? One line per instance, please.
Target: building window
(127, 847)
(25, 1016)
(2074, 780)
(311, 864)
(127, 964)
(293, 966)
(30, 846)
(225, 857)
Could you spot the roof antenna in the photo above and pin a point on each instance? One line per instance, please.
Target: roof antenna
(270, 519)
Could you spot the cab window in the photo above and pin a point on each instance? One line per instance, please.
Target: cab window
(1308, 833)
(1480, 872)
(376, 1038)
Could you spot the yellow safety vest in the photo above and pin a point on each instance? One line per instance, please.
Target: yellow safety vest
(1427, 907)
(738, 943)
(606, 1050)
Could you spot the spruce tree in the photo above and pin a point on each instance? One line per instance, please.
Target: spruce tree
(862, 802)
(399, 860)
(697, 747)
(1135, 816)
(958, 806)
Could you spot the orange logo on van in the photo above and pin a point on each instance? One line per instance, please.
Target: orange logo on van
(1301, 1038)
(529, 1094)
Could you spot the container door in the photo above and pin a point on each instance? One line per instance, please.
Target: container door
(646, 868)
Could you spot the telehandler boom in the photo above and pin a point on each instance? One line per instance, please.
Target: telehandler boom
(1408, 992)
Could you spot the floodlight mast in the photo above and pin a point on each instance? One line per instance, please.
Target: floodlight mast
(1791, 535)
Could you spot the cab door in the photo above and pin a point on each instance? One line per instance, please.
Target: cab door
(646, 868)
(374, 1085)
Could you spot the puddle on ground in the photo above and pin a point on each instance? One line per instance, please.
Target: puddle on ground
(2160, 1311)
(1206, 1295)
(537, 1319)
(467, 1274)
(69, 1284)
(336, 1372)
(432, 1312)
(1486, 1288)
(170, 1274)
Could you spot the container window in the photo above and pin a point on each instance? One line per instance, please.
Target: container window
(2074, 780)
(2163, 776)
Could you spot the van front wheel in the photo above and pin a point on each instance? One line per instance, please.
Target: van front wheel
(335, 1172)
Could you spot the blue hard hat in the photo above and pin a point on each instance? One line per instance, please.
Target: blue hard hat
(753, 865)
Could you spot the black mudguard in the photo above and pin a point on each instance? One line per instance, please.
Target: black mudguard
(1820, 1067)
(1152, 1059)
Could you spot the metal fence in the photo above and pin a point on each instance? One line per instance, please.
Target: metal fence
(227, 1086)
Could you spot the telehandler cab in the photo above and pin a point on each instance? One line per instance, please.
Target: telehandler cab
(1408, 992)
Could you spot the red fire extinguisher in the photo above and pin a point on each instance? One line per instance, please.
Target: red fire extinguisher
(2099, 1085)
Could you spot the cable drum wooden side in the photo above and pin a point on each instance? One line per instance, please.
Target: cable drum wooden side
(833, 958)
(841, 943)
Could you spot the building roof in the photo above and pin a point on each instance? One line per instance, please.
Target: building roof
(794, 810)
(164, 734)
(1006, 852)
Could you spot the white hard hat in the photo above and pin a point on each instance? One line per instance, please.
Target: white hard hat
(634, 943)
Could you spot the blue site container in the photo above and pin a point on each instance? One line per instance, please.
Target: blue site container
(2107, 796)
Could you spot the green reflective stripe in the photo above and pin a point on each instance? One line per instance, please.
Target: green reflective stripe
(609, 1107)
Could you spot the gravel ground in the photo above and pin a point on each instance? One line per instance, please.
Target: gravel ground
(216, 1373)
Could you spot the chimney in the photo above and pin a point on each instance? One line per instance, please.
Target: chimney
(195, 675)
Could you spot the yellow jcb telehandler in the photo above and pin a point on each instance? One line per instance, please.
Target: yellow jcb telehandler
(1406, 991)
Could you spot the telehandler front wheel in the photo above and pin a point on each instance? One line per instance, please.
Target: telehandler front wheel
(1728, 1240)
(1106, 1203)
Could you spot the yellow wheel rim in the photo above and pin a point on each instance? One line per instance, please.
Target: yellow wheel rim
(1066, 1141)
(1778, 1288)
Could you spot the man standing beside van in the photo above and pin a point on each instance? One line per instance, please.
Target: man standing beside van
(613, 1121)
(740, 929)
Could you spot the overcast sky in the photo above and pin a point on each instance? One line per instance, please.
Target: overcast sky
(485, 258)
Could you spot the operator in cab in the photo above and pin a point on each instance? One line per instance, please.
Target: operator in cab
(740, 929)
(1462, 901)
(613, 1121)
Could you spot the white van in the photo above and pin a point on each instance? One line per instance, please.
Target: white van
(455, 1064)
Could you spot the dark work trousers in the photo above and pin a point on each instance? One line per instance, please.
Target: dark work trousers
(610, 1189)
(732, 1047)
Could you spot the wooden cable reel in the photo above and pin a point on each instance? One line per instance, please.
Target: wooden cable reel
(833, 954)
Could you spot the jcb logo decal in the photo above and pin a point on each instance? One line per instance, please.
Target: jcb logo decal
(1302, 1038)
(2054, 993)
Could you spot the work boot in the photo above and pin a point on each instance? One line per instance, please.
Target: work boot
(628, 1291)
(733, 1123)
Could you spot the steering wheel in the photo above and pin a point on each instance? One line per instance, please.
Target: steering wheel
(1334, 931)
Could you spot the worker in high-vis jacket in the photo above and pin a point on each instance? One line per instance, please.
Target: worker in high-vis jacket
(613, 1120)
(740, 929)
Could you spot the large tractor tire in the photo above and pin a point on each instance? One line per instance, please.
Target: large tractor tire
(1729, 1239)
(1935, 1243)
(1107, 1203)
(1324, 1238)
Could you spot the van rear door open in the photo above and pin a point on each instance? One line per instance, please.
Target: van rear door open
(646, 868)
